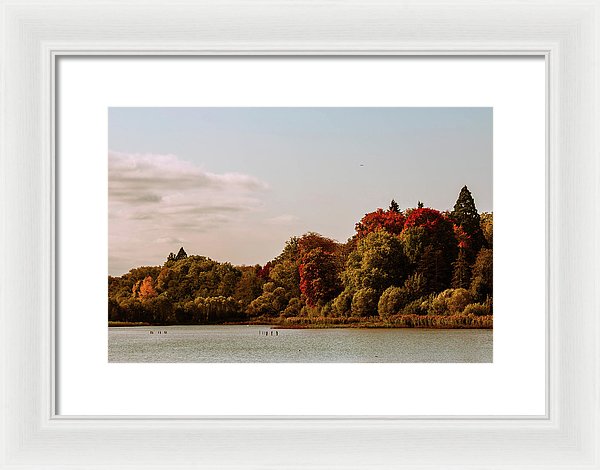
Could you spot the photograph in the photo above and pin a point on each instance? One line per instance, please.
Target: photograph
(300, 235)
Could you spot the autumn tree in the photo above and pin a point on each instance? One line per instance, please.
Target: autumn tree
(146, 290)
(311, 240)
(391, 221)
(397, 262)
(430, 245)
(319, 277)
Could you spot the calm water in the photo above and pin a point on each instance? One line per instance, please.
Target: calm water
(249, 344)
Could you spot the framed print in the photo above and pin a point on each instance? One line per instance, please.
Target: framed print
(294, 207)
(317, 354)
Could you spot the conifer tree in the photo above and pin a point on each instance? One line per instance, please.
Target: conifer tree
(181, 254)
(461, 277)
(394, 207)
(465, 215)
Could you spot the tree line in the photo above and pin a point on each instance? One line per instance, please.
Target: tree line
(401, 268)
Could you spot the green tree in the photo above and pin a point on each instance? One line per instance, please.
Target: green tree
(430, 245)
(364, 302)
(415, 286)
(487, 227)
(286, 274)
(249, 287)
(435, 268)
(461, 276)
(271, 302)
(482, 284)
(466, 216)
(394, 207)
(377, 263)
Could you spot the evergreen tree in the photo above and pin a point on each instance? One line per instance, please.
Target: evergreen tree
(419, 205)
(465, 215)
(461, 277)
(394, 207)
(435, 269)
(181, 254)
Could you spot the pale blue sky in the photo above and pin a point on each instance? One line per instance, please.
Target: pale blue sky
(297, 169)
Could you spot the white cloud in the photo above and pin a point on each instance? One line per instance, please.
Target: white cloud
(162, 200)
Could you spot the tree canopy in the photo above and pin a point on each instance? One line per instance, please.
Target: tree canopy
(417, 261)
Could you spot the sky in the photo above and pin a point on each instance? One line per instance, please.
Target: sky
(234, 184)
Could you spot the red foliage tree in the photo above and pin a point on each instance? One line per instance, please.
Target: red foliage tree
(439, 229)
(431, 220)
(391, 221)
(462, 238)
(312, 240)
(437, 247)
(264, 272)
(318, 276)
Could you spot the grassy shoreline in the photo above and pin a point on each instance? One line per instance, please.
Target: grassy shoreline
(395, 321)
(127, 323)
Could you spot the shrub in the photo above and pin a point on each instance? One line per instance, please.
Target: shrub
(391, 301)
(271, 302)
(450, 302)
(343, 304)
(327, 309)
(293, 307)
(439, 304)
(364, 302)
(459, 299)
(416, 307)
(478, 309)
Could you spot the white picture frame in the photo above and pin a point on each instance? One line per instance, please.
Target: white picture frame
(34, 34)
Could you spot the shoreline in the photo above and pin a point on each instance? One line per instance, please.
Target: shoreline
(446, 322)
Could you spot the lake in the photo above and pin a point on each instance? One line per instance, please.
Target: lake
(241, 343)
